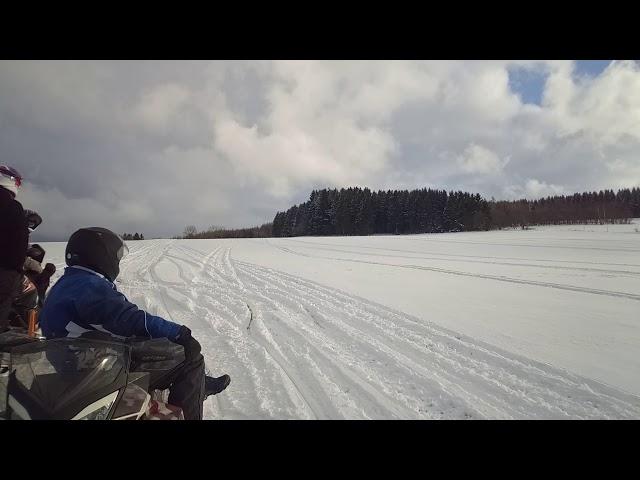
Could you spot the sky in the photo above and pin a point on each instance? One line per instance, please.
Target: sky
(153, 146)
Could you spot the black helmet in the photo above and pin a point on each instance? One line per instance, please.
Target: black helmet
(98, 249)
(36, 252)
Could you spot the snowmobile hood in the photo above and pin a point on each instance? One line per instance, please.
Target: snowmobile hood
(58, 378)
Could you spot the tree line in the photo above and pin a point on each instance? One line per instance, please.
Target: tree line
(220, 232)
(136, 236)
(605, 206)
(361, 211)
(357, 211)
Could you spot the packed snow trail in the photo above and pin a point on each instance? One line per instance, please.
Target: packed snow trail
(298, 349)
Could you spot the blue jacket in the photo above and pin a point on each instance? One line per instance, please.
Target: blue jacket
(83, 300)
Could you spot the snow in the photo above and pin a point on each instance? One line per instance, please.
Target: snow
(539, 323)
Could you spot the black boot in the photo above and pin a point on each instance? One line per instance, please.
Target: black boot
(213, 386)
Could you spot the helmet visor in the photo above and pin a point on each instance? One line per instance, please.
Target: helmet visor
(123, 251)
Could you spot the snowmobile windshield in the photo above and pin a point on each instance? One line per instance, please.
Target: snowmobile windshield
(58, 378)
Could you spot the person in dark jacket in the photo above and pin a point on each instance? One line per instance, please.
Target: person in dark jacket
(14, 240)
(86, 299)
(40, 276)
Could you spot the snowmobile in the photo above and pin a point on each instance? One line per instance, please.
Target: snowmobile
(27, 303)
(92, 377)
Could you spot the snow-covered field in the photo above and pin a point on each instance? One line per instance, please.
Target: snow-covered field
(541, 323)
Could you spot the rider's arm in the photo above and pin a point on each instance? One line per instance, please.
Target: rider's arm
(109, 309)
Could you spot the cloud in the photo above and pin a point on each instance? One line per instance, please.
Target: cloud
(153, 146)
(625, 172)
(536, 188)
(532, 188)
(478, 159)
(157, 106)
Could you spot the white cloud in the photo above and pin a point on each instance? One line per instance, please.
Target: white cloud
(536, 188)
(163, 144)
(532, 188)
(606, 107)
(160, 104)
(478, 159)
(625, 172)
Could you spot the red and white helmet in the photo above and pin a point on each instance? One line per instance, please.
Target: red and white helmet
(10, 179)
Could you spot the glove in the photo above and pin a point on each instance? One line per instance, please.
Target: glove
(33, 219)
(50, 269)
(191, 345)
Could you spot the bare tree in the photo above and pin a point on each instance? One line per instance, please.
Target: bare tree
(190, 230)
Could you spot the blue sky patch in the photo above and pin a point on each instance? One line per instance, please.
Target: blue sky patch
(529, 83)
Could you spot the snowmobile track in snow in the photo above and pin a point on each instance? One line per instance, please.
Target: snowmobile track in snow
(298, 349)
(499, 278)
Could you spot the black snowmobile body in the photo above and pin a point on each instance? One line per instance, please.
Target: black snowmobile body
(87, 378)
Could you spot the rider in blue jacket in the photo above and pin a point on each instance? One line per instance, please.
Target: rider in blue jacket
(86, 299)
